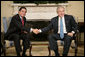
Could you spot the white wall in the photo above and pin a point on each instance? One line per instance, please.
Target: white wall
(75, 8)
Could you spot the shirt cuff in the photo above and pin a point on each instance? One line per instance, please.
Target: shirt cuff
(40, 30)
(73, 32)
(31, 29)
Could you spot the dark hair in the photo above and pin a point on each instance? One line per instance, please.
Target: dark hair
(22, 8)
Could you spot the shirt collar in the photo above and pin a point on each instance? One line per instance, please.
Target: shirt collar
(20, 17)
(62, 17)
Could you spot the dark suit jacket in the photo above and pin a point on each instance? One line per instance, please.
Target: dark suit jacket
(16, 26)
(71, 25)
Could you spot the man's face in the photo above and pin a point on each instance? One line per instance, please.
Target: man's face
(22, 12)
(61, 12)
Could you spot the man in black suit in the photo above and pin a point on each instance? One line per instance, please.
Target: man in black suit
(64, 27)
(17, 31)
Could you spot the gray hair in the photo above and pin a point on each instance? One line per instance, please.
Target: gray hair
(60, 7)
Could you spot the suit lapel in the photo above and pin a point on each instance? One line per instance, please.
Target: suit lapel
(66, 21)
(57, 20)
(56, 23)
(19, 19)
(65, 18)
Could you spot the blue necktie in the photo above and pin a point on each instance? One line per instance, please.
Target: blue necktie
(61, 29)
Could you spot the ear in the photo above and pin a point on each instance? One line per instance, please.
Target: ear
(18, 11)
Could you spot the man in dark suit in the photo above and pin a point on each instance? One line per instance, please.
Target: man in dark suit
(64, 27)
(17, 31)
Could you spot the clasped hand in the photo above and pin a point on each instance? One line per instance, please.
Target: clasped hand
(36, 31)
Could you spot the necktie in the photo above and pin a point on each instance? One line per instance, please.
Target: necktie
(61, 29)
(22, 22)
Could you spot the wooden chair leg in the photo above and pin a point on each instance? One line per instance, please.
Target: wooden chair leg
(30, 50)
(49, 51)
(4, 49)
(3, 43)
(76, 48)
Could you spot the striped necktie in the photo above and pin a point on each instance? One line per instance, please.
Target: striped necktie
(22, 21)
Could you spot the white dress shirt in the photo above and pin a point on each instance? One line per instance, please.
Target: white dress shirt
(64, 25)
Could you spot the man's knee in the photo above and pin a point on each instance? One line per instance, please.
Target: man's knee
(26, 35)
(51, 36)
(68, 37)
(15, 36)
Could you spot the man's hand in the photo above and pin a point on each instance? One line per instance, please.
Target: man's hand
(25, 32)
(36, 31)
(70, 34)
